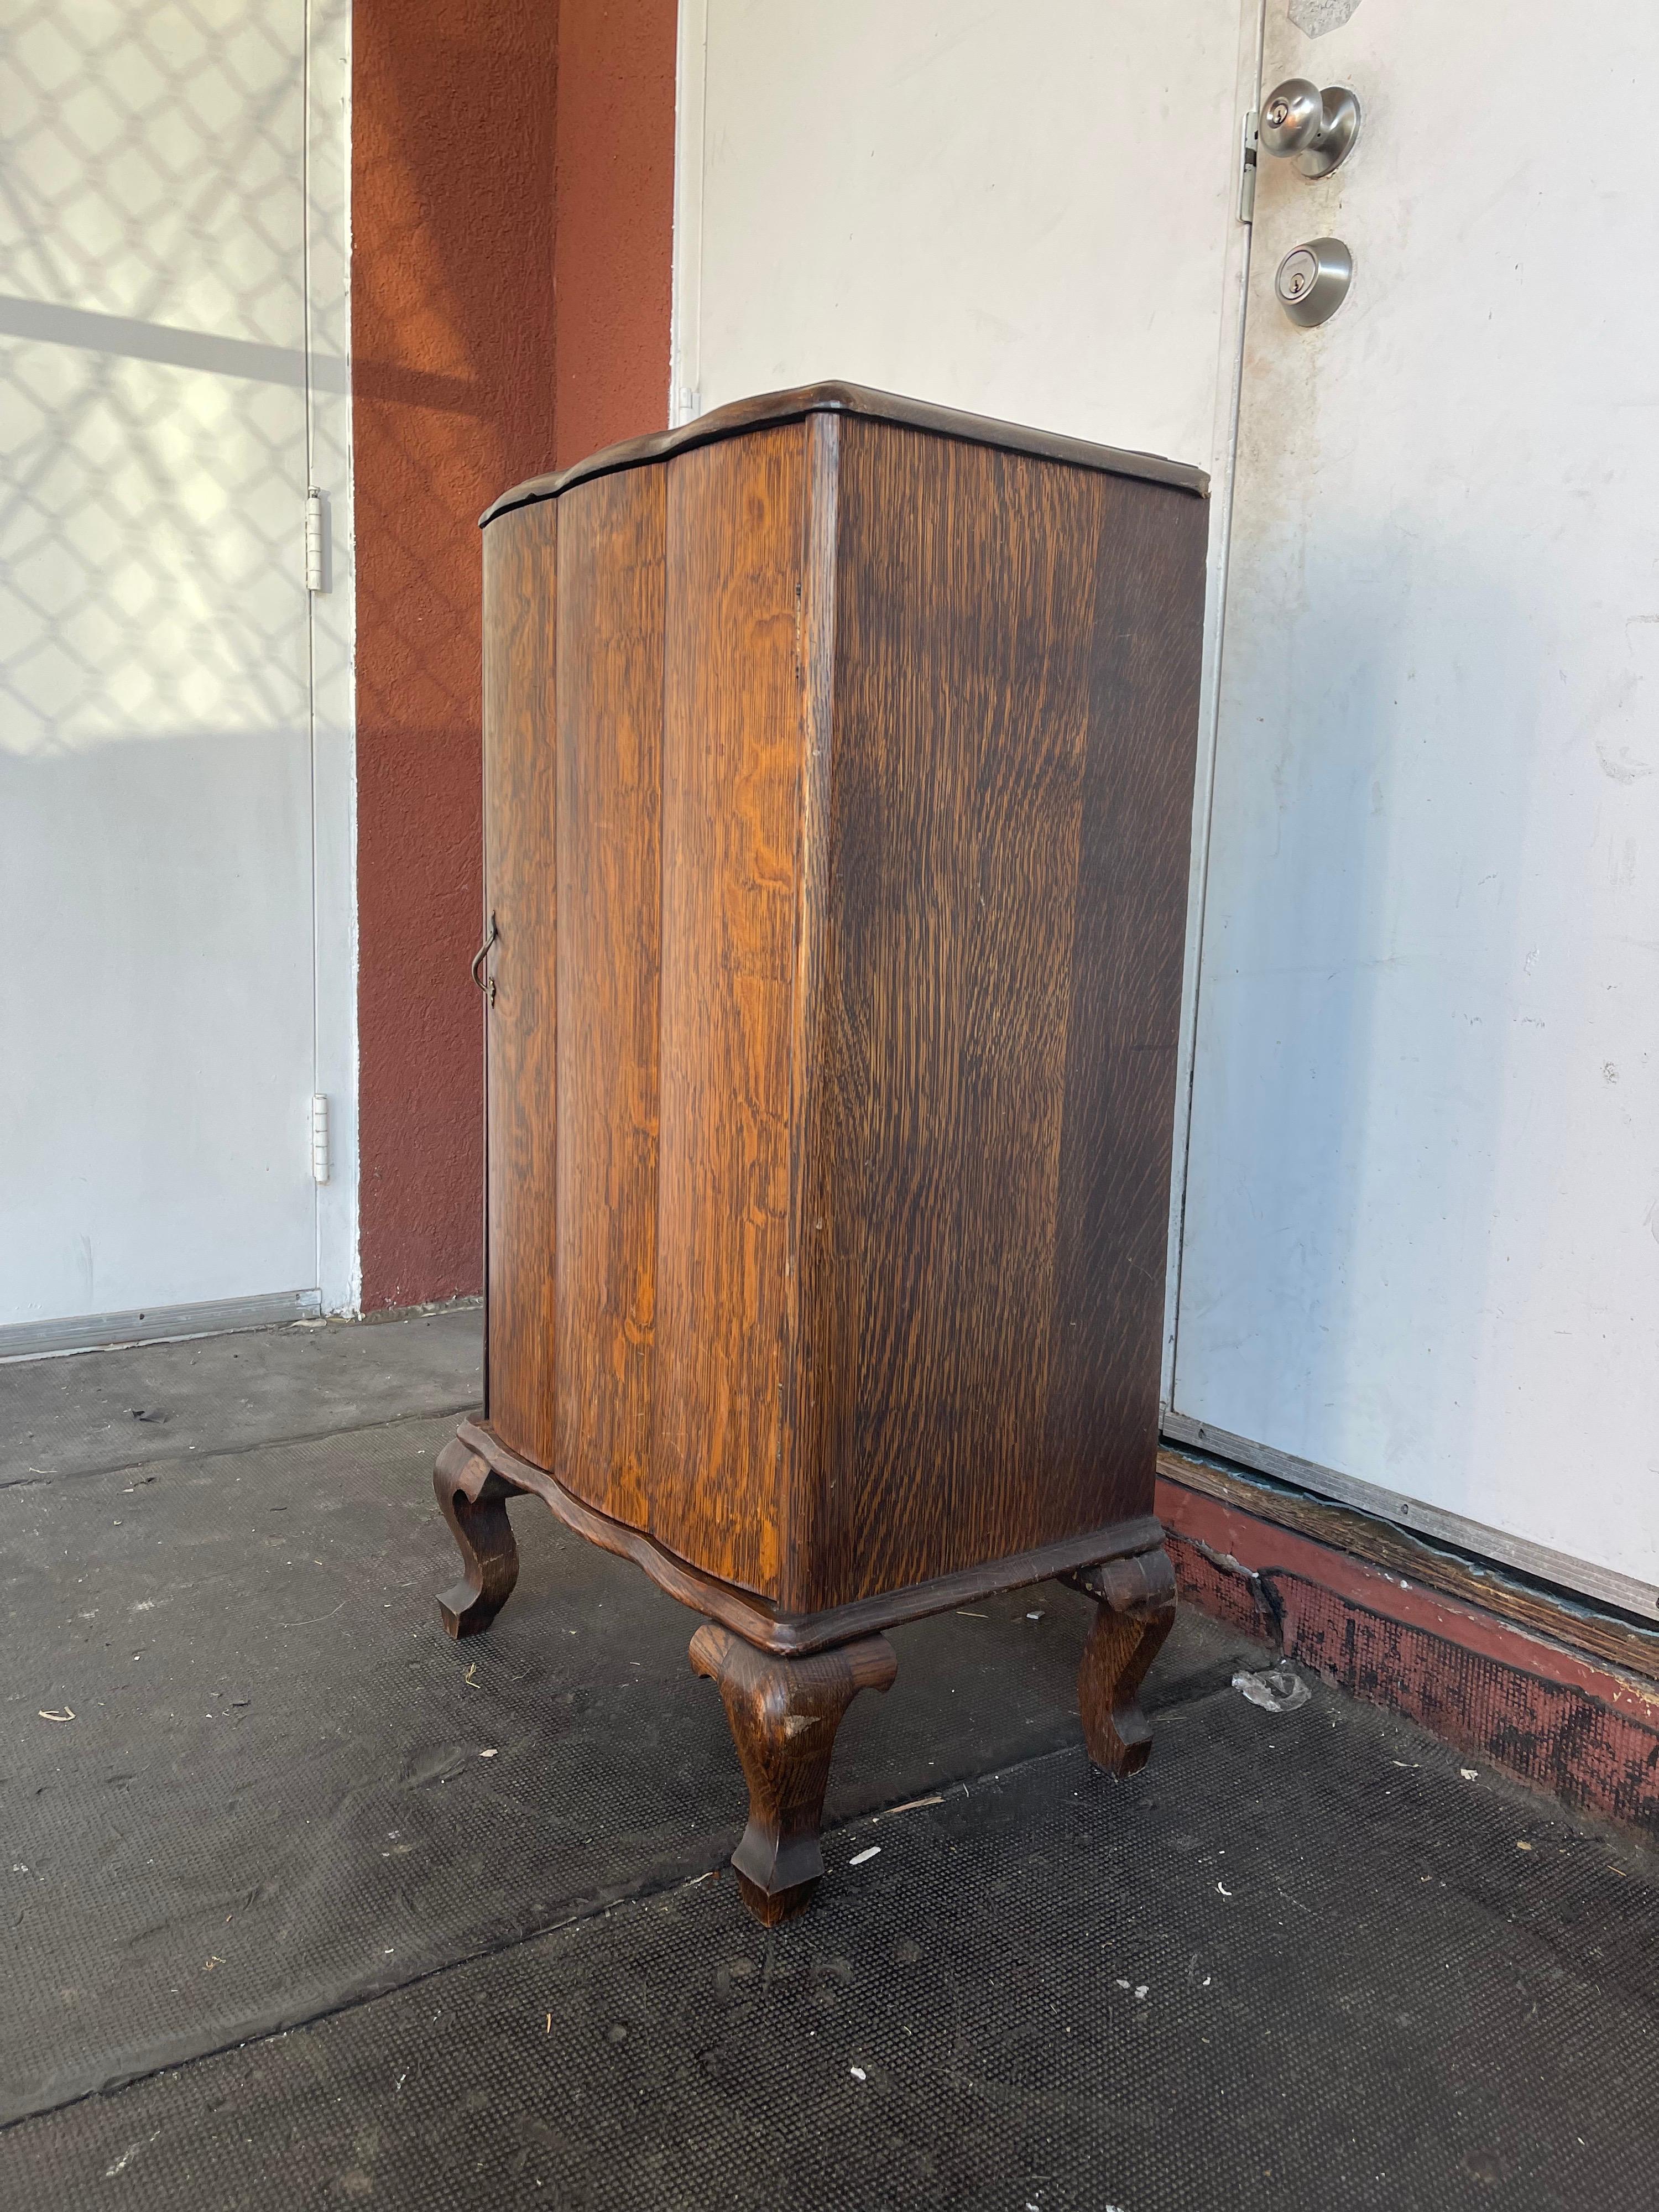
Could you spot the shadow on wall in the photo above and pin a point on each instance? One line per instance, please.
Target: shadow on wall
(155, 883)
(452, 131)
(512, 233)
(1374, 1111)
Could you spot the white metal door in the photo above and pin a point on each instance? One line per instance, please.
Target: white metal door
(157, 982)
(1026, 212)
(1421, 1261)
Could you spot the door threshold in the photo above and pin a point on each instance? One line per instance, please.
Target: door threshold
(50, 1339)
(1605, 1583)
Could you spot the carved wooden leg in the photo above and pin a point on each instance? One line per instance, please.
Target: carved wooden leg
(1135, 1611)
(473, 1498)
(784, 1715)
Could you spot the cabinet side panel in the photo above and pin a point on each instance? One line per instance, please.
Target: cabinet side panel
(1016, 655)
(609, 746)
(731, 803)
(964, 621)
(1123, 1031)
(519, 561)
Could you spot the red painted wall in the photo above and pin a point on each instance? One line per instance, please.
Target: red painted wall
(614, 211)
(1558, 1719)
(512, 228)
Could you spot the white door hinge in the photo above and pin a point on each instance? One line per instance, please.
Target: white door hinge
(319, 1159)
(316, 541)
(1247, 151)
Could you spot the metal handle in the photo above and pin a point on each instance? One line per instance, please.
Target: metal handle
(1316, 129)
(486, 983)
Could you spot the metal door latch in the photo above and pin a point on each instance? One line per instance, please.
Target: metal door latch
(485, 983)
(1247, 154)
(1316, 129)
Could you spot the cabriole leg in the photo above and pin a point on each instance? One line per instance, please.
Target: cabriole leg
(473, 1499)
(1135, 1601)
(784, 1714)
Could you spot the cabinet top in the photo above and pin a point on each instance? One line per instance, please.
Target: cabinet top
(770, 407)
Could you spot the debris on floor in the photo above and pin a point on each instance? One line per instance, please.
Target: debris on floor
(1276, 1689)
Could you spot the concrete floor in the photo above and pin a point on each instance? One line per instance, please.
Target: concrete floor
(307, 1903)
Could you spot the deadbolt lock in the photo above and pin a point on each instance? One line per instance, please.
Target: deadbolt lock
(1316, 129)
(1312, 281)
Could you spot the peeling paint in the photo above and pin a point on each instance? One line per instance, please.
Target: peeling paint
(1315, 17)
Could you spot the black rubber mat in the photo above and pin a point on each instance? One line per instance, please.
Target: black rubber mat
(1301, 1965)
(146, 1402)
(244, 1777)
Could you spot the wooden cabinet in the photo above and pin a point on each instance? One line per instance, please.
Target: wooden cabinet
(838, 776)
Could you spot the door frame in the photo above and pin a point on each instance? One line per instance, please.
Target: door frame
(333, 637)
(690, 76)
(1252, 33)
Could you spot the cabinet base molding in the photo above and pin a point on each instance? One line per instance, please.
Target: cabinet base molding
(787, 1635)
(786, 1679)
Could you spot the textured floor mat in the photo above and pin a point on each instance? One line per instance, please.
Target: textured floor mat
(1301, 1964)
(281, 1786)
(146, 1402)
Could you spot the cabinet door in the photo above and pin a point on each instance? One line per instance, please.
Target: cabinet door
(731, 848)
(607, 803)
(573, 755)
(520, 784)
(642, 769)
(1421, 1200)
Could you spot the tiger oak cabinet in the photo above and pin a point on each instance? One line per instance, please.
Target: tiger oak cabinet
(838, 761)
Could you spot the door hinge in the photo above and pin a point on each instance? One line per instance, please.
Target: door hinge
(1249, 146)
(319, 1159)
(316, 541)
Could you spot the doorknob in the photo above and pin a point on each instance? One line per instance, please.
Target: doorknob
(1315, 129)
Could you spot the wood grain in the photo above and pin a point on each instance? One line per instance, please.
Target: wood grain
(816, 1447)
(731, 800)
(608, 732)
(741, 417)
(791, 1634)
(1111, 1227)
(472, 1498)
(960, 712)
(987, 710)
(867, 797)
(1134, 1611)
(783, 1715)
(520, 836)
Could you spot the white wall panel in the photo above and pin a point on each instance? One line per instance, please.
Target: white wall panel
(1023, 210)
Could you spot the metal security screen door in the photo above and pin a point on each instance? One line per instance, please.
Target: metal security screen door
(1419, 1264)
(156, 990)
